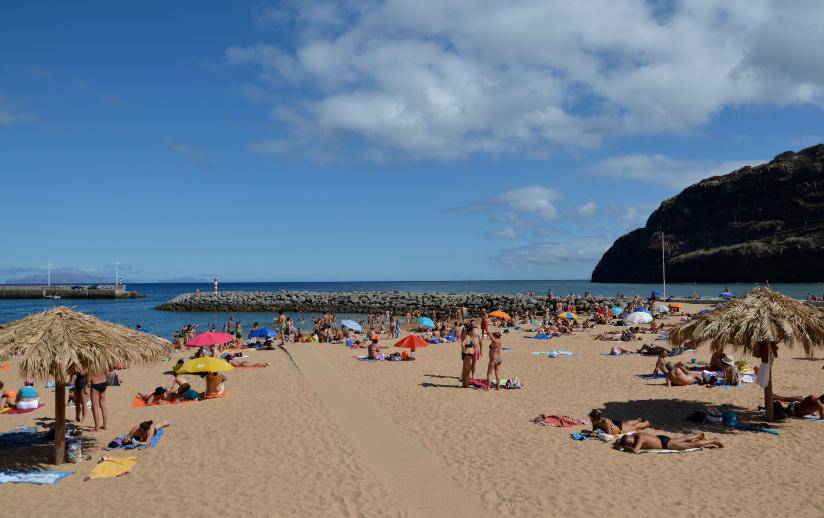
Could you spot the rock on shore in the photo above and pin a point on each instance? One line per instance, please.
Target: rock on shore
(354, 302)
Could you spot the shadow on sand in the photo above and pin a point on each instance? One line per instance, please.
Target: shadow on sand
(671, 414)
(40, 457)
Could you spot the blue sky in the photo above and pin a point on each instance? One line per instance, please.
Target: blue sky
(400, 140)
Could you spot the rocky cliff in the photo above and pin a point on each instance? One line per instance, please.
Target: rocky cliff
(763, 223)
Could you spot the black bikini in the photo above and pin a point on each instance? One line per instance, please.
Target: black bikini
(100, 387)
(664, 441)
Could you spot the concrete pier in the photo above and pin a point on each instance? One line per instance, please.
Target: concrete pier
(65, 291)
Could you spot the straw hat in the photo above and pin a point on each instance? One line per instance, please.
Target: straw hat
(729, 360)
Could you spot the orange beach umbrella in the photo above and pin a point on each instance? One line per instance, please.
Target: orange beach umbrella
(412, 342)
(500, 314)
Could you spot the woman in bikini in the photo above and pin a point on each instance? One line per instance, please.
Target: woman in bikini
(80, 395)
(98, 384)
(614, 426)
(143, 433)
(494, 360)
(467, 356)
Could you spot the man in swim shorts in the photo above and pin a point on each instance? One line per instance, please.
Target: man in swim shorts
(634, 443)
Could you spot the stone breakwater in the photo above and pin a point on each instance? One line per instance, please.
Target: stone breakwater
(354, 302)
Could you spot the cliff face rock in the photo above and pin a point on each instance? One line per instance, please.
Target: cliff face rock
(763, 223)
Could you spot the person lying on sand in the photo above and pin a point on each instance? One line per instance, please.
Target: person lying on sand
(800, 406)
(159, 395)
(614, 426)
(679, 376)
(617, 350)
(652, 350)
(232, 359)
(647, 441)
(143, 433)
(610, 336)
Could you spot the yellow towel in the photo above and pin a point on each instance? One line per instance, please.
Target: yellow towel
(112, 467)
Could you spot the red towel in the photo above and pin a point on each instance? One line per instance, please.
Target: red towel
(559, 421)
(17, 411)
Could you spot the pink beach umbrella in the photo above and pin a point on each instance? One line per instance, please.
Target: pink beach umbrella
(210, 339)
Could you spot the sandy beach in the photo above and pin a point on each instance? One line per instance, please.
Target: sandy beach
(272, 447)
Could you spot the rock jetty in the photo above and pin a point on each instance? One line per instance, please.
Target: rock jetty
(356, 302)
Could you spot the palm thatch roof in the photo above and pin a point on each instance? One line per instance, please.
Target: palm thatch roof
(56, 343)
(762, 315)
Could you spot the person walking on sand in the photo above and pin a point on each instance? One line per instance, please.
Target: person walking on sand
(98, 384)
(494, 360)
(280, 323)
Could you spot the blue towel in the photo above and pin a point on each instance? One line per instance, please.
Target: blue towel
(366, 359)
(753, 428)
(652, 376)
(553, 354)
(158, 435)
(622, 354)
(33, 477)
(581, 436)
(541, 336)
(22, 436)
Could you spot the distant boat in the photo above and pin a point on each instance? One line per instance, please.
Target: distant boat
(52, 296)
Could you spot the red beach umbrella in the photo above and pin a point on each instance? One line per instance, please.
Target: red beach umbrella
(210, 339)
(412, 342)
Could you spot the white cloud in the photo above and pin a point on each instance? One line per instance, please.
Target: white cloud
(503, 233)
(534, 199)
(664, 170)
(587, 210)
(585, 251)
(426, 79)
(10, 115)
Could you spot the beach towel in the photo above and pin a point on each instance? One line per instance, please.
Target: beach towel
(52, 384)
(557, 421)
(541, 336)
(9, 410)
(110, 467)
(507, 348)
(553, 354)
(617, 355)
(138, 402)
(250, 366)
(5, 366)
(365, 358)
(22, 436)
(581, 436)
(510, 383)
(671, 451)
(813, 417)
(123, 446)
(652, 376)
(33, 477)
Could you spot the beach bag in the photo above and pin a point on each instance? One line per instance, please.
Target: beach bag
(74, 452)
(113, 380)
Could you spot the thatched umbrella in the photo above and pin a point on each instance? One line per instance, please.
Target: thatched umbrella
(753, 324)
(58, 343)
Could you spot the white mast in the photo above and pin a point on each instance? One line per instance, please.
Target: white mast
(663, 266)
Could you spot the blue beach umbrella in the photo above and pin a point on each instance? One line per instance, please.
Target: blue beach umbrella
(426, 322)
(351, 324)
(263, 332)
(657, 293)
(640, 309)
(726, 295)
(616, 310)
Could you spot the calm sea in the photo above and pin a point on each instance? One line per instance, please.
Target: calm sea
(141, 311)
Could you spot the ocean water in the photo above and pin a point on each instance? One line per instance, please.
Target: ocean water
(141, 311)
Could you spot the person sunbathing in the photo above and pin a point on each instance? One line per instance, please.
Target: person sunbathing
(374, 349)
(234, 362)
(160, 395)
(609, 336)
(646, 441)
(617, 350)
(143, 433)
(679, 376)
(652, 350)
(215, 384)
(798, 406)
(614, 426)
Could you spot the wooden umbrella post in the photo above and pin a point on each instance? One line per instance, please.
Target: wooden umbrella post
(768, 397)
(60, 422)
